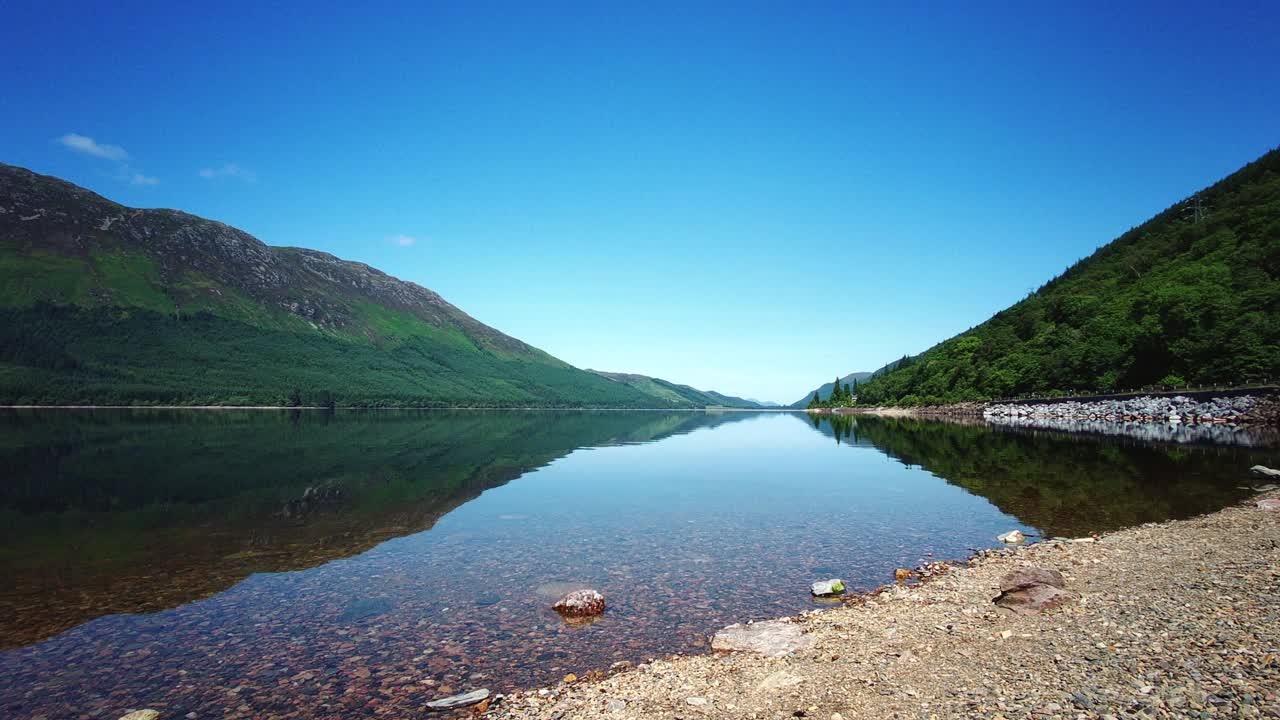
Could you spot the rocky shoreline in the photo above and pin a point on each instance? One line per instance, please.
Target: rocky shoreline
(1176, 619)
(1179, 409)
(1241, 410)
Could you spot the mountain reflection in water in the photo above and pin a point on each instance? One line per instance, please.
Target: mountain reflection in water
(355, 564)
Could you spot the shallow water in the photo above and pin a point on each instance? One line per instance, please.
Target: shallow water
(263, 564)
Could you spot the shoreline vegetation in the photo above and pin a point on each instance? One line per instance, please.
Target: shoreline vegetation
(1159, 620)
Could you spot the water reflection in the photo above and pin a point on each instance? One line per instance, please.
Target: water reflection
(1068, 483)
(105, 512)
(360, 564)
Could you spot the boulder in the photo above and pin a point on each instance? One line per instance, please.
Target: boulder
(580, 603)
(1264, 472)
(457, 701)
(1031, 590)
(1024, 578)
(141, 715)
(772, 638)
(1013, 537)
(1269, 504)
(1033, 599)
(822, 588)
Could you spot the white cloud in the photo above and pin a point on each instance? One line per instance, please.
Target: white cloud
(230, 170)
(140, 179)
(404, 240)
(89, 146)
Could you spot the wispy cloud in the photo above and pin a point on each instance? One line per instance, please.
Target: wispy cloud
(229, 170)
(89, 146)
(404, 240)
(86, 145)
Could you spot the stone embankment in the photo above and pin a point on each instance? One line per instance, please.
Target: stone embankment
(1241, 410)
(1160, 621)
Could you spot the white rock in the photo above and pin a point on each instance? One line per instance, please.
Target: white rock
(696, 701)
(141, 715)
(834, 586)
(1264, 472)
(457, 701)
(772, 638)
(1013, 537)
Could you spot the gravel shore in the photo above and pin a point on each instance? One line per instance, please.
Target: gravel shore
(1177, 619)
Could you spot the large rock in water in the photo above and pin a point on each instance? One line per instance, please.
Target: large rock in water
(772, 638)
(824, 588)
(1032, 590)
(580, 603)
(1263, 471)
(1013, 537)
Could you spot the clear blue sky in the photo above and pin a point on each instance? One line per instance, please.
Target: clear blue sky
(744, 197)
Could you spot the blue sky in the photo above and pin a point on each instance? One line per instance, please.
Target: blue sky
(746, 197)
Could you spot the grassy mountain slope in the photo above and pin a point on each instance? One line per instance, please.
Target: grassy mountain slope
(1189, 296)
(677, 395)
(100, 303)
(824, 391)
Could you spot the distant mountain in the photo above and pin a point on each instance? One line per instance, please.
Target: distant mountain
(677, 395)
(1190, 296)
(824, 391)
(105, 304)
(765, 403)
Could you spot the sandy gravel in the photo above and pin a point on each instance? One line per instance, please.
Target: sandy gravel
(1171, 620)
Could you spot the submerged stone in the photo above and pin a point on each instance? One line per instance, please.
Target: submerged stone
(1264, 472)
(457, 701)
(141, 715)
(364, 608)
(580, 603)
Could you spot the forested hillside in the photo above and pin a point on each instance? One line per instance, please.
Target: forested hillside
(1190, 296)
(104, 304)
(824, 391)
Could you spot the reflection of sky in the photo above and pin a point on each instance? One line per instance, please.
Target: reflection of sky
(683, 535)
(729, 486)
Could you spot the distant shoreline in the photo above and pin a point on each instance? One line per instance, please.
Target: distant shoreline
(395, 407)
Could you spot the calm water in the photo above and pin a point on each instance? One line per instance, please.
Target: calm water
(262, 564)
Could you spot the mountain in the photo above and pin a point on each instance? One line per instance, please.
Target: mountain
(824, 391)
(1190, 296)
(677, 395)
(105, 304)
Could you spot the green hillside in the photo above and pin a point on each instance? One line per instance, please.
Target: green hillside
(677, 395)
(1190, 296)
(824, 390)
(100, 303)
